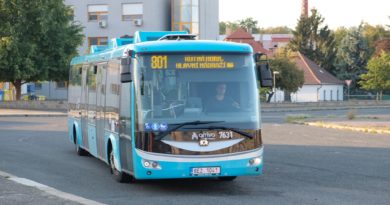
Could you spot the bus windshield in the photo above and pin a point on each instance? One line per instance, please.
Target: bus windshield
(177, 88)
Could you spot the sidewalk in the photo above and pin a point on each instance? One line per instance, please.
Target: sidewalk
(329, 105)
(14, 193)
(30, 113)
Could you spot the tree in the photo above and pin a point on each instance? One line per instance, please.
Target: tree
(276, 30)
(373, 34)
(339, 35)
(378, 76)
(352, 57)
(224, 26)
(249, 24)
(388, 25)
(290, 78)
(314, 40)
(37, 41)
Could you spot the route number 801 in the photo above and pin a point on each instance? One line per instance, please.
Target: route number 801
(159, 62)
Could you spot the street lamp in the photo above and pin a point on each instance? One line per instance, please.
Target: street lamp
(348, 82)
(274, 85)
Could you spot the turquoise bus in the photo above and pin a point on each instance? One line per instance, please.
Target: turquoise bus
(165, 105)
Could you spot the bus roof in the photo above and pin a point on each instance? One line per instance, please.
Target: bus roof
(191, 46)
(163, 46)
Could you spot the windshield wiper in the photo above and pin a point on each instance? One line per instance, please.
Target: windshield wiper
(227, 128)
(179, 125)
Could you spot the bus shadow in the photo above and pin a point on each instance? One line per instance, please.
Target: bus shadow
(206, 186)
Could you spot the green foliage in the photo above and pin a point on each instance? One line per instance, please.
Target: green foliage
(249, 24)
(315, 41)
(339, 34)
(263, 94)
(37, 41)
(373, 34)
(290, 78)
(276, 30)
(296, 119)
(378, 75)
(223, 26)
(352, 57)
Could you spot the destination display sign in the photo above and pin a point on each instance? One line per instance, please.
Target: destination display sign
(193, 62)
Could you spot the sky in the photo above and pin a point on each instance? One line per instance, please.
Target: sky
(337, 13)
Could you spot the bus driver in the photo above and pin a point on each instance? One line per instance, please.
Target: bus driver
(221, 103)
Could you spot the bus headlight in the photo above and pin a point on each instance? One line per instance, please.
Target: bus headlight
(148, 164)
(255, 161)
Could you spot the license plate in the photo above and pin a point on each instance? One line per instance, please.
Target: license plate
(197, 171)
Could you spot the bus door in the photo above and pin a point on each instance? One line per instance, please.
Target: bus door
(125, 128)
(84, 107)
(91, 116)
(101, 103)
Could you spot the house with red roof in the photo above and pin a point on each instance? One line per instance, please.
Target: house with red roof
(319, 84)
(241, 36)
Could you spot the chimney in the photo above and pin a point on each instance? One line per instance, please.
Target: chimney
(305, 8)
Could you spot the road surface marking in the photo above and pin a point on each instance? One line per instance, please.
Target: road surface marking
(48, 190)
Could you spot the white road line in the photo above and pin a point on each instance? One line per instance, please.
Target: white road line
(49, 190)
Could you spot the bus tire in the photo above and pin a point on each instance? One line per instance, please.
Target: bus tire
(119, 176)
(80, 151)
(227, 178)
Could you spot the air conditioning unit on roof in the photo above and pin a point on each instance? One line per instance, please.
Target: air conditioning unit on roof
(103, 23)
(138, 22)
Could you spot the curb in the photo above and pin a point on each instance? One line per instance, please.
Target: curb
(346, 127)
(35, 115)
(48, 190)
(293, 109)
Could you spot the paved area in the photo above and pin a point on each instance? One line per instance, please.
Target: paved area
(36, 113)
(13, 193)
(303, 165)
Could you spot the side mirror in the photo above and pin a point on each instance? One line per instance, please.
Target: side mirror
(265, 76)
(125, 69)
(263, 71)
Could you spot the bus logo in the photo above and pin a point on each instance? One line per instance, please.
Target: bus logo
(203, 142)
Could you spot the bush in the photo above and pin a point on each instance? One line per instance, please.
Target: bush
(351, 114)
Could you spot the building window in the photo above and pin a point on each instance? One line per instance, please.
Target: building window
(132, 11)
(185, 16)
(338, 92)
(92, 41)
(97, 12)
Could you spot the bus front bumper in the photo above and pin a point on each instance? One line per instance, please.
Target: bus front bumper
(161, 166)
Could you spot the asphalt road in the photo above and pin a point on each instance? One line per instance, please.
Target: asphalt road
(303, 165)
(279, 117)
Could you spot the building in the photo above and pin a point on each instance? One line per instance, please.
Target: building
(319, 84)
(269, 42)
(305, 8)
(106, 19)
(241, 36)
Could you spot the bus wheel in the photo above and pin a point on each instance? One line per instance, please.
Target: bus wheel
(227, 178)
(118, 175)
(80, 151)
